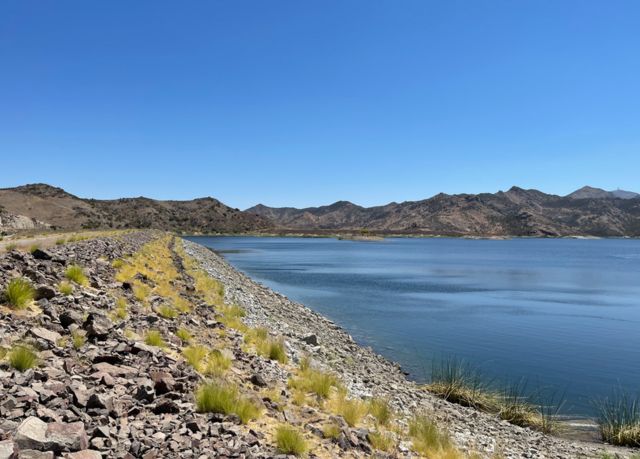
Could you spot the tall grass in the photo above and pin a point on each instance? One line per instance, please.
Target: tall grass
(217, 397)
(75, 273)
(458, 382)
(65, 288)
(428, 440)
(619, 419)
(184, 335)
(289, 440)
(380, 409)
(351, 410)
(154, 338)
(19, 293)
(22, 357)
(315, 381)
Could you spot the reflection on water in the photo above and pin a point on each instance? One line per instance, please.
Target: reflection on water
(562, 313)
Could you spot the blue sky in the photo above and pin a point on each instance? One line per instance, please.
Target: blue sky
(307, 102)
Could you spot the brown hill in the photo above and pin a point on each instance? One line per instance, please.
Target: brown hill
(517, 212)
(63, 210)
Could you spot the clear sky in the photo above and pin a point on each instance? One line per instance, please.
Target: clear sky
(307, 102)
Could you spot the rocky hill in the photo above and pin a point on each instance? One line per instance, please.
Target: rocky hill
(61, 210)
(140, 345)
(516, 212)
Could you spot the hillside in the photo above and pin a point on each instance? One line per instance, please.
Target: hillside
(62, 210)
(516, 212)
(140, 345)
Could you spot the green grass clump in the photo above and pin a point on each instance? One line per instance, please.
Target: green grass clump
(458, 382)
(60, 241)
(33, 248)
(167, 312)
(11, 246)
(217, 363)
(184, 335)
(196, 356)
(379, 408)
(331, 430)
(117, 263)
(619, 419)
(141, 292)
(65, 288)
(75, 273)
(315, 381)
(352, 410)
(22, 358)
(78, 339)
(382, 441)
(154, 338)
(19, 293)
(428, 440)
(120, 311)
(214, 397)
(273, 350)
(290, 441)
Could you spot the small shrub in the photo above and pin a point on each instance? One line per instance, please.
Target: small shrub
(352, 410)
(619, 419)
(33, 248)
(65, 288)
(382, 441)
(184, 335)
(75, 273)
(213, 397)
(22, 358)
(19, 293)
(290, 441)
(78, 339)
(379, 408)
(167, 312)
(154, 338)
(62, 341)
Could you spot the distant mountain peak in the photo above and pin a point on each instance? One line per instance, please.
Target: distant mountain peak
(589, 192)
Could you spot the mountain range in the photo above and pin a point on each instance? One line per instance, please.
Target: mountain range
(516, 212)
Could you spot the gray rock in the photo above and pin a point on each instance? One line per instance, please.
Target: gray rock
(311, 340)
(45, 334)
(7, 449)
(97, 327)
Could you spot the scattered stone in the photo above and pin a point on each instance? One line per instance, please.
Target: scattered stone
(311, 340)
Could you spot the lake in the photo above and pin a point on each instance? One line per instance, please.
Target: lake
(562, 313)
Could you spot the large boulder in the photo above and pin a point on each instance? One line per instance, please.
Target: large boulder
(36, 434)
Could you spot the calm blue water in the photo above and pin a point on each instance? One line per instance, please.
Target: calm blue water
(565, 314)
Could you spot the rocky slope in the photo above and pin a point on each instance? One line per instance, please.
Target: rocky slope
(63, 210)
(517, 212)
(103, 388)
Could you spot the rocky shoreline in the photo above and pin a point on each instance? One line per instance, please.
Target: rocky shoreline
(111, 376)
(367, 373)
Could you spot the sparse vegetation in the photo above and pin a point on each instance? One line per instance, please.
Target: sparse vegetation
(216, 397)
(19, 293)
(429, 441)
(619, 419)
(65, 288)
(75, 273)
(141, 292)
(22, 357)
(458, 382)
(331, 430)
(60, 241)
(217, 363)
(33, 248)
(184, 335)
(290, 441)
(167, 312)
(117, 263)
(351, 410)
(382, 441)
(196, 356)
(78, 339)
(154, 338)
(272, 349)
(120, 310)
(11, 246)
(379, 408)
(315, 381)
